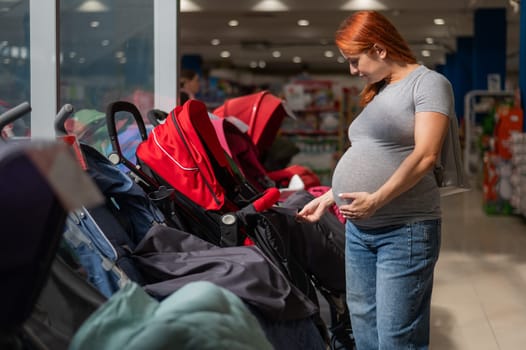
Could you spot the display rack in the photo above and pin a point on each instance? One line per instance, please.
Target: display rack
(316, 129)
(470, 112)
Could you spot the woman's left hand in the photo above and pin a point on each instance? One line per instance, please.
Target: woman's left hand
(360, 205)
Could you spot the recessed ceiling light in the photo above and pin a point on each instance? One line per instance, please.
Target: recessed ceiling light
(233, 23)
(72, 54)
(270, 5)
(276, 54)
(119, 54)
(94, 24)
(15, 51)
(225, 54)
(430, 40)
(215, 42)
(340, 59)
(303, 22)
(189, 6)
(354, 5)
(262, 64)
(105, 42)
(253, 64)
(328, 54)
(426, 53)
(296, 59)
(92, 6)
(439, 21)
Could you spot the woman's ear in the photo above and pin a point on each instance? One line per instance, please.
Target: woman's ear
(380, 51)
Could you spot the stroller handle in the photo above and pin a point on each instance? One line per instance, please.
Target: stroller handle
(63, 114)
(13, 114)
(267, 200)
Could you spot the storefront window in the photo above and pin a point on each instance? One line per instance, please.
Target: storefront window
(14, 62)
(106, 53)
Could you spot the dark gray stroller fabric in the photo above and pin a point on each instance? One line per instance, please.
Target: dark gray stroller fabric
(66, 301)
(320, 246)
(170, 258)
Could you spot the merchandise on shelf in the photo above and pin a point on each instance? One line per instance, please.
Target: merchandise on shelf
(316, 128)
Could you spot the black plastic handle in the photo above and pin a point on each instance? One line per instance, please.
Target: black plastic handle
(111, 112)
(63, 114)
(13, 114)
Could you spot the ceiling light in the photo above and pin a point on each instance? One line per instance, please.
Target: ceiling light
(94, 24)
(253, 64)
(225, 54)
(296, 59)
(340, 59)
(72, 54)
(430, 41)
(15, 51)
(215, 42)
(262, 64)
(270, 5)
(425, 53)
(439, 21)
(276, 54)
(92, 6)
(105, 42)
(189, 6)
(328, 54)
(353, 5)
(233, 23)
(303, 22)
(23, 52)
(119, 54)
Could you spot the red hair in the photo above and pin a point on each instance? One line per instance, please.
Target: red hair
(359, 32)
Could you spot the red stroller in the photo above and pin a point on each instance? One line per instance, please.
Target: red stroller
(185, 154)
(263, 113)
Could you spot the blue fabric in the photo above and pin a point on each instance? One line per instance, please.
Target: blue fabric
(93, 252)
(127, 197)
(389, 275)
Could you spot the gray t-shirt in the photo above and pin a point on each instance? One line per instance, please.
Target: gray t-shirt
(382, 136)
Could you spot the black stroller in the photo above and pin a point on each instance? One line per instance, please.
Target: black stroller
(191, 164)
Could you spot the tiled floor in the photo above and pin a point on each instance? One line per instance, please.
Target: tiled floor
(479, 299)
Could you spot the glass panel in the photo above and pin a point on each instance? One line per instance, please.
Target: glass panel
(14, 62)
(107, 55)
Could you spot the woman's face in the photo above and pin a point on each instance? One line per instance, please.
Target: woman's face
(369, 65)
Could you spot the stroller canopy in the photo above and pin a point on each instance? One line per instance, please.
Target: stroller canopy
(176, 152)
(262, 112)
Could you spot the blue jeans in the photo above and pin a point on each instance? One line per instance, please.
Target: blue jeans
(389, 276)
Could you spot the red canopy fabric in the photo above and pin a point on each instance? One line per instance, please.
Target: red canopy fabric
(176, 152)
(242, 150)
(261, 111)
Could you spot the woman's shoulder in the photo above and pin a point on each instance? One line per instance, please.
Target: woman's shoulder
(431, 76)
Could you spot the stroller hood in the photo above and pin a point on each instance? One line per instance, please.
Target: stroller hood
(262, 112)
(175, 151)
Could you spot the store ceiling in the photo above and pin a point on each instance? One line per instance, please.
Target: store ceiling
(260, 33)
(263, 31)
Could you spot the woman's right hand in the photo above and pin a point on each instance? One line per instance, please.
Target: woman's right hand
(314, 210)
